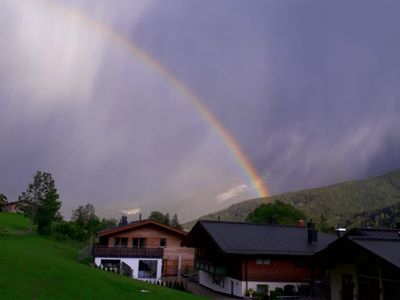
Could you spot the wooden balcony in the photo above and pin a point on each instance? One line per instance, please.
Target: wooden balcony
(104, 251)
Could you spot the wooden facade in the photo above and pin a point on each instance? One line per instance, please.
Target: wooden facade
(11, 207)
(155, 239)
(235, 258)
(269, 268)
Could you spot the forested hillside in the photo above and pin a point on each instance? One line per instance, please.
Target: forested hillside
(384, 217)
(336, 203)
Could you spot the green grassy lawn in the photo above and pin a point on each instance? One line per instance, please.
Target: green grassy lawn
(35, 267)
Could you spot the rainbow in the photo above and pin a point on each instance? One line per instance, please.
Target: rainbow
(140, 54)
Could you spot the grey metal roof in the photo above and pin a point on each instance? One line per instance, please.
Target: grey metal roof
(374, 233)
(388, 250)
(263, 239)
(383, 242)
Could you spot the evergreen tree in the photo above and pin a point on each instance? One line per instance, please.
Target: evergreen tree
(175, 222)
(167, 219)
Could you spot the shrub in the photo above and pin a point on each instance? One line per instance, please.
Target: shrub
(63, 230)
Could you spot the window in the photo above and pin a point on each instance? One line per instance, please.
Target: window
(263, 261)
(147, 269)
(139, 243)
(262, 289)
(121, 242)
(110, 263)
(163, 242)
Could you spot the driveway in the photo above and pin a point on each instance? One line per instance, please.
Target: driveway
(197, 289)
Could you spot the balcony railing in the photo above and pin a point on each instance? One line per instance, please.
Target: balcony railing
(104, 251)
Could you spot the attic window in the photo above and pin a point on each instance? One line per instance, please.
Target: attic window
(263, 261)
(163, 242)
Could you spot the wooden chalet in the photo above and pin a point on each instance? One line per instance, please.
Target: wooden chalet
(11, 207)
(363, 264)
(144, 250)
(233, 257)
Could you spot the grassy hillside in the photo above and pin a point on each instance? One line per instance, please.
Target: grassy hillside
(35, 267)
(337, 203)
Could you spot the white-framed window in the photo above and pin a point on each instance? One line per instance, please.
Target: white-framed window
(263, 261)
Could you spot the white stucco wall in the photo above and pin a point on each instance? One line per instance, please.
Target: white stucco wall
(336, 280)
(224, 286)
(239, 287)
(133, 263)
(271, 285)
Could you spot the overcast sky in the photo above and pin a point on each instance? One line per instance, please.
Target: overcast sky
(309, 89)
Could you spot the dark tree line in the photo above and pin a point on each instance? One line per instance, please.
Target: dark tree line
(165, 219)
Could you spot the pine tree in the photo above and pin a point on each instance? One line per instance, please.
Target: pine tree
(175, 222)
(167, 219)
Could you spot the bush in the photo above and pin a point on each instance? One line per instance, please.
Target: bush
(276, 293)
(62, 230)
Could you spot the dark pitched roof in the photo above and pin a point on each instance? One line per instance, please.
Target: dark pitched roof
(388, 250)
(11, 203)
(137, 224)
(384, 243)
(374, 233)
(380, 242)
(259, 239)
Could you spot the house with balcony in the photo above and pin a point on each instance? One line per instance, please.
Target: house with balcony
(362, 264)
(236, 257)
(11, 207)
(145, 250)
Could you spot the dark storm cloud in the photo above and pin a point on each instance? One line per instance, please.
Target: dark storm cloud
(309, 89)
(316, 83)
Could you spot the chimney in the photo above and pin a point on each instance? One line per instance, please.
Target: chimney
(124, 221)
(312, 233)
(140, 217)
(340, 231)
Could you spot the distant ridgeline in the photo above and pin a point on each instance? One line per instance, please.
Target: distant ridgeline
(374, 201)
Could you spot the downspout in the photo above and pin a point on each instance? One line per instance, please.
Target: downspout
(381, 291)
(247, 286)
(93, 241)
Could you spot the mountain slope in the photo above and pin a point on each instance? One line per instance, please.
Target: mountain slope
(386, 217)
(337, 203)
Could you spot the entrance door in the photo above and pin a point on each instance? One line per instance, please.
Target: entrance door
(164, 267)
